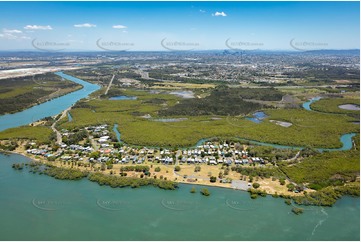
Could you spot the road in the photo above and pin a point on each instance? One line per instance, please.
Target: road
(110, 83)
(59, 139)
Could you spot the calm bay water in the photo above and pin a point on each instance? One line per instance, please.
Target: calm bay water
(37, 207)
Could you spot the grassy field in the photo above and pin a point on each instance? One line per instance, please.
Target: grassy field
(330, 105)
(39, 133)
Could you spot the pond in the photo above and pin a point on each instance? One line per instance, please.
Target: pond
(169, 120)
(183, 94)
(281, 123)
(257, 117)
(123, 98)
(352, 107)
(70, 118)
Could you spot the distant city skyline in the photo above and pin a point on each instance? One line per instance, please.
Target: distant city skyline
(166, 26)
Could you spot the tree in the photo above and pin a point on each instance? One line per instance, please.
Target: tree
(290, 187)
(213, 179)
(297, 211)
(177, 168)
(220, 175)
(256, 185)
(95, 155)
(251, 179)
(157, 169)
(282, 181)
(205, 192)
(226, 171)
(102, 167)
(193, 190)
(197, 169)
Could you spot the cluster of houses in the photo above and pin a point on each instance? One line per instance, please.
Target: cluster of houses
(211, 153)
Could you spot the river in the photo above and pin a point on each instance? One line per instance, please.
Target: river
(38, 207)
(49, 108)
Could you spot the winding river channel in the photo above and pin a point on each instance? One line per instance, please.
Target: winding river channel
(36, 207)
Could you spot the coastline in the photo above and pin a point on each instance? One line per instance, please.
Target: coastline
(179, 179)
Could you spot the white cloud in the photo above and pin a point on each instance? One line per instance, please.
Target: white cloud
(217, 14)
(12, 34)
(119, 27)
(202, 11)
(12, 31)
(86, 25)
(38, 27)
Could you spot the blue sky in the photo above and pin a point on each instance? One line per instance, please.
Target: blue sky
(179, 25)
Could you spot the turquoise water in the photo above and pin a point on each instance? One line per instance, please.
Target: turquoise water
(306, 105)
(117, 133)
(37, 207)
(345, 139)
(48, 108)
(123, 98)
(70, 118)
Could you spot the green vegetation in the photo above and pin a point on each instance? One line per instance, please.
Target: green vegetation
(9, 145)
(197, 169)
(213, 179)
(224, 101)
(18, 166)
(288, 201)
(76, 137)
(330, 105)
(193, 190)
(256, 185)
(19, 93)
(326, 169)
(205, 192)
(40, 133)
(265, 172)
(297, 211)
(177, 168)
(257, 192)
(118, 181)
(57, 172)
(329, 195)
(157, 169)
(64, 173)
(309, 129)
(137, 168)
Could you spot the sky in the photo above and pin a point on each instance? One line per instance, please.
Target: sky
(166, 26)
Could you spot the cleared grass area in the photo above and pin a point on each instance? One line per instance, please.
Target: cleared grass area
(39, 133)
